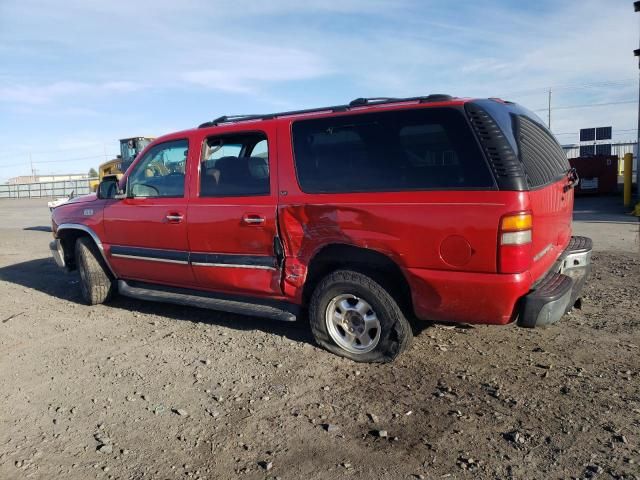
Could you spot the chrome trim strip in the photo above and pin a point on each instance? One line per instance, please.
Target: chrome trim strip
(151, 259)
(232, 265)
(542, 252)
(84, 228)
(149, 253)
(96, 239)
(233, 260)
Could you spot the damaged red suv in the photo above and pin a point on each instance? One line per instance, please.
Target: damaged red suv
(363, 216)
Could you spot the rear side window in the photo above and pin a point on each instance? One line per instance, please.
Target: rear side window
(389, 151)
(543, 159)
(235, 165)
(522, 152)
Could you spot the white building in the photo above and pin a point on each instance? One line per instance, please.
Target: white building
(46, 178)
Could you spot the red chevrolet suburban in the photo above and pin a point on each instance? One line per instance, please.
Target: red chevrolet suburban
(365, 216)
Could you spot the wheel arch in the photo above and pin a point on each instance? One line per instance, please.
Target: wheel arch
(380, 266)
(68, 233)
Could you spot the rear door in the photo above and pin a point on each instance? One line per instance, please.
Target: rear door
(232, 213)
(146, 233)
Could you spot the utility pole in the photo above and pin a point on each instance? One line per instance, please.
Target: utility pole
(636, 52)
(549, 112)
(33, 172)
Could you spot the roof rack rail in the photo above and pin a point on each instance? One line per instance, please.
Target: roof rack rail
(241, 118)
(358, 102)
(229, 119)
(436, 97)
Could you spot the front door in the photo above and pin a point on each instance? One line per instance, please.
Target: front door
(232, 214)
(146, 233)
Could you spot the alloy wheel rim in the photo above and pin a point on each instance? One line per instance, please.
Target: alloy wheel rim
(352, 324)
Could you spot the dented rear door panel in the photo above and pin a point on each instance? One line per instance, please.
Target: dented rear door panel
(424, 230)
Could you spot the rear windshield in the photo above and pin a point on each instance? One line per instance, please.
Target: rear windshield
(421, 149)
(541, 155)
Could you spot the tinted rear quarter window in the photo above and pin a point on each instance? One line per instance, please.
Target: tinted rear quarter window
(543, 159)
(523, 152)
(420, 149)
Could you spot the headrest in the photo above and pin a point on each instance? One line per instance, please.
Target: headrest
(259, 167)
(224, 162)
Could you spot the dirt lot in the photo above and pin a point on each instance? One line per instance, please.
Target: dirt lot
(135, 390)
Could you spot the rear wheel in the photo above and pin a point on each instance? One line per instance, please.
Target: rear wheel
(352, 315)
(96, 284)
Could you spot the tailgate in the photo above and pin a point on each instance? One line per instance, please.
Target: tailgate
(552, 209)
(551, 194)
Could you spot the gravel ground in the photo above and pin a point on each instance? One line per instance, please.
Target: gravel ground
(134, 390)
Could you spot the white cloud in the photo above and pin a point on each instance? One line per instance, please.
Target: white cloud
(395, 48)
(246, 68)
(38, 94)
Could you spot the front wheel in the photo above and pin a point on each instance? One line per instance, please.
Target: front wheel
(352, 315)
(95, 282)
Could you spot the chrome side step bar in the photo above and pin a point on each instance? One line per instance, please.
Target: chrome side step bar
(192, 298)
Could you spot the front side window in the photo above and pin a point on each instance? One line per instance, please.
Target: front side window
(421, 149)
(161, 172)
(235, 165)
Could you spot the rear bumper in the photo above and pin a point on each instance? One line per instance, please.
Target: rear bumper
(558, 291)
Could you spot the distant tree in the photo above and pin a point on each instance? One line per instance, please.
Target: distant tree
(93, 173)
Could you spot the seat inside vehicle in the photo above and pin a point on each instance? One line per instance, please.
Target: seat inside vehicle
(235, 176)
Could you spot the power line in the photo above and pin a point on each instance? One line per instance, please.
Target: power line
(608, 83)
(74, 159)
(58, 161)
(587, 105)
(604, 83)
(39, 152)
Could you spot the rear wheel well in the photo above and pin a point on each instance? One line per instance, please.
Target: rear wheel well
(369, 262)
(68, 238)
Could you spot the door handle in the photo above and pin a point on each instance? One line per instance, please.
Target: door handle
(253, 219)
(174, 217)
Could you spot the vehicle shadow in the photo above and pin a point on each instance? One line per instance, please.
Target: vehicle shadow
(38, 228)
(44, 276)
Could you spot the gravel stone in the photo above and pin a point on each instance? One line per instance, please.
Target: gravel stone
(105, 448)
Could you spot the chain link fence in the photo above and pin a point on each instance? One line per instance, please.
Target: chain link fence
(61, 188)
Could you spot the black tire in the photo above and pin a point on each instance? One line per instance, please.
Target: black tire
(395, 332)
(96, 283)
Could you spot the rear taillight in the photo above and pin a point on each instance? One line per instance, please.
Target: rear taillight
(514, 242)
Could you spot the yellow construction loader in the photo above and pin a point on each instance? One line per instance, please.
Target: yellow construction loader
(129, 150)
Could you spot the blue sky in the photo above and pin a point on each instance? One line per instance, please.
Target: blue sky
(77, 75)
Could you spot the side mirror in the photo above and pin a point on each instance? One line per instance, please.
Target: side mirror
(109, 188)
